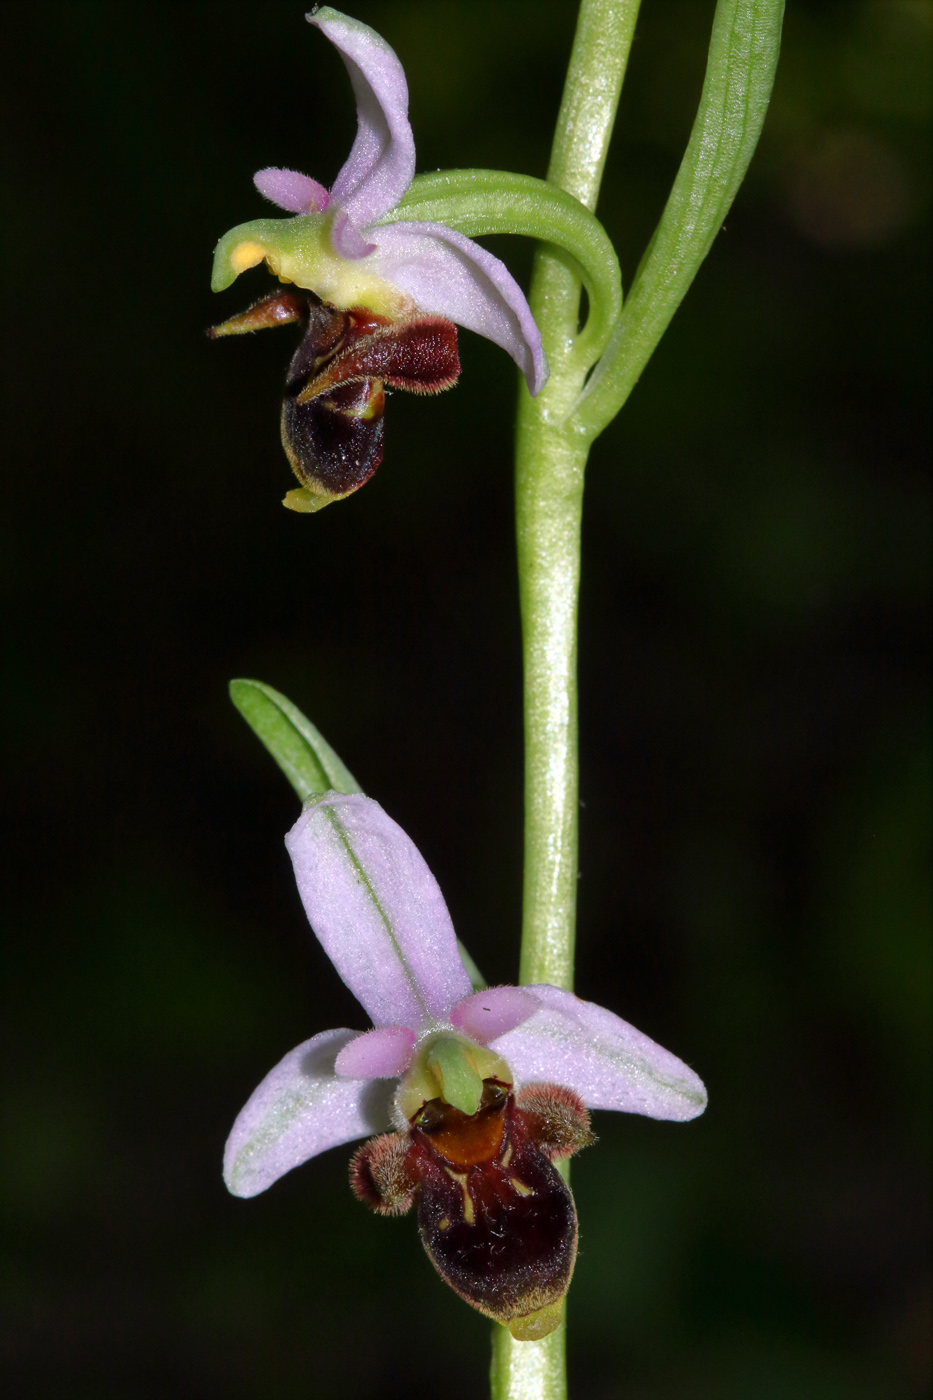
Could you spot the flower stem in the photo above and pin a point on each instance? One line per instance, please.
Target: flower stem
(551, 456)
(555, 431)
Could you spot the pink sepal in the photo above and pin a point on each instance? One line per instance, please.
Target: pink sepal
(606, 1061)
(447, 274)
(377, 911)
(381, 163)
(300, 1109)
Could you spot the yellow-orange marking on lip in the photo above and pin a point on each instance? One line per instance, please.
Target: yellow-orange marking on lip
(246, 255)
(520, 1186)
(469, 1215)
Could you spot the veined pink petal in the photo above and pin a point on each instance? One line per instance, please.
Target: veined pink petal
(381, 163)
(300, 1109)
(606, 1061)
(493, 1011)
(291, 190)
(381, 1054)
(377, 910)
(449, 275)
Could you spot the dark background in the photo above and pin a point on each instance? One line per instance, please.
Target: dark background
(755, 745)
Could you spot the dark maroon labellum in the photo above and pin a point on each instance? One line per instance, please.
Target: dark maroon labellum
(495, 1217)
(332, 417)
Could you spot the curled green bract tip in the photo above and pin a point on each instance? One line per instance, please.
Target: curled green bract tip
(477, 202)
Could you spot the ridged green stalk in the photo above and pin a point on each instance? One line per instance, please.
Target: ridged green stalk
(555, 432)
(551, 457)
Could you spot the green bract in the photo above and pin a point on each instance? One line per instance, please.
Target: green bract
(303, 754)
(478, 202)
(305, 757)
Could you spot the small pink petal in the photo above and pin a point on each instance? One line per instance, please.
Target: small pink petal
(380, 1054)
(300, 1109)
(377, 911)
(494, 1011)
(447, 274)
(291, 190)
(606, 1061)
(381, 164)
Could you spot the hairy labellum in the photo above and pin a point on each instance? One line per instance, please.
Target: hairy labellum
(332, 416)
(495, 1217)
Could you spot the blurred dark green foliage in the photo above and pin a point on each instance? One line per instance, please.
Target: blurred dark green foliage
(755, 743)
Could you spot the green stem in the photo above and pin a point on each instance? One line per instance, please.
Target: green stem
(529, 1370)
(551, 457)
(550, 463)
(554, 434)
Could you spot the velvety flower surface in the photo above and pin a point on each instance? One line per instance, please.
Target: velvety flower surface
(380, 916)
(335, 245)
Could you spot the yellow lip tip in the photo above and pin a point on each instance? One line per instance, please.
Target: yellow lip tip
(536, 1325)
(306, 502)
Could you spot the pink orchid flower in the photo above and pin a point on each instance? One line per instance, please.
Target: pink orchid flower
(475, 1092)
(390, 291)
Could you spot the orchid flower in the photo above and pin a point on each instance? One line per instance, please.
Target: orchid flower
(474, 1093)
(389, 291)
